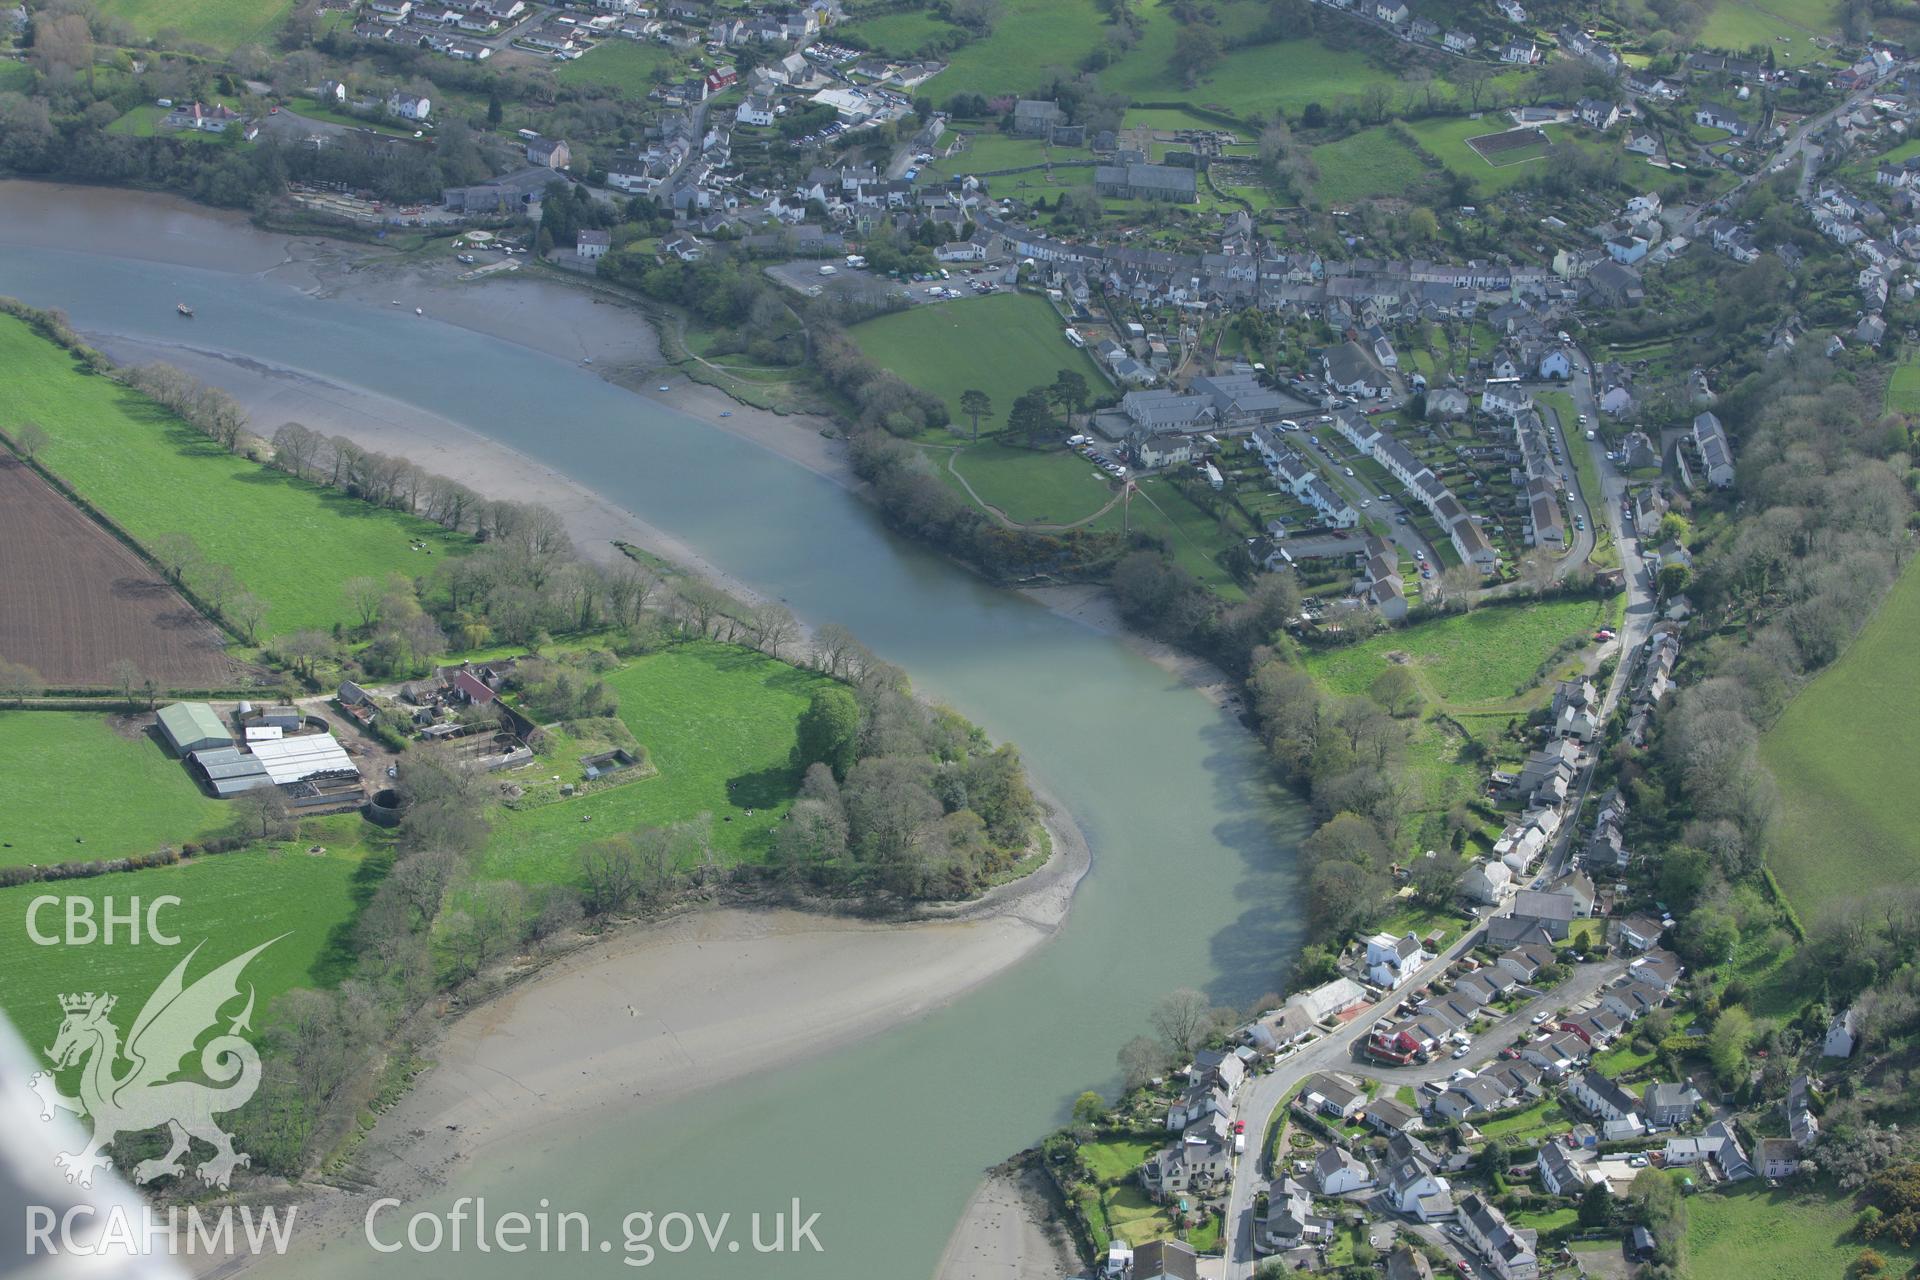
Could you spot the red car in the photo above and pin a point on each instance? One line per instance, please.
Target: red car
(1239, 1126)
(1465, 1269)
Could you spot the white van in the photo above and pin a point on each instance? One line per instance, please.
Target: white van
(827, 270)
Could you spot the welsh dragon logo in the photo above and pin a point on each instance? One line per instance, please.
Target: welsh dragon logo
(145, 1095)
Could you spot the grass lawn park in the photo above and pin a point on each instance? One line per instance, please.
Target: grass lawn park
(1004, 344)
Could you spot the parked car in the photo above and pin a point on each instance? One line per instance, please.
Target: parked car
(1541, 1017)
(1349, 471)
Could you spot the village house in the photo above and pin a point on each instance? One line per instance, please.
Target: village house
(1667, 1105)
(1509, 1252)
(1559, 1176)
(1290, 1220)
(591, 245)
(1337, 1171)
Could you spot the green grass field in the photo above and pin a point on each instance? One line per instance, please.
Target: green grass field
(899, 34)
(221, 24)
(1373, 162)
(626, 65)
(1250, 79)
(1783, 26)
(1446, 139)
(229, 901)
(1903, 388)
(1056, 487)
(1794, 1233)
(290, 543)
(717, 722)
(1843, 755)
(145, 799)
(15, 77)
(990, 152)
(1029, 37)
(1004, 345)
(1466, 658)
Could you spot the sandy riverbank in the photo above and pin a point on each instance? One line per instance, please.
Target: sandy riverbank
(1008, 1232)
(660, 1011)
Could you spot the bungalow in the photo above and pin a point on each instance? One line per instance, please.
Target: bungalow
(1709, 116)
(1518, 1077)
(1386, 1116)
(1472, 1096)
(1717, 1145)
(1557, 1054)
(1333, 1096)
(1630, 1001)
(1281, 1028)
(1525, 962)
(1338, 1171)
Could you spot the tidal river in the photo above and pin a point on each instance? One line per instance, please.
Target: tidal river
(1192, 845)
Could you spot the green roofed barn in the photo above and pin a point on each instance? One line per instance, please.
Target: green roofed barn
(192, 726)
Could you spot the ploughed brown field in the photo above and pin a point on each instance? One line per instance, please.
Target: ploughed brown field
(73, 600)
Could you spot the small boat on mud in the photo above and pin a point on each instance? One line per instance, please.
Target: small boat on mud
(183, 309)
